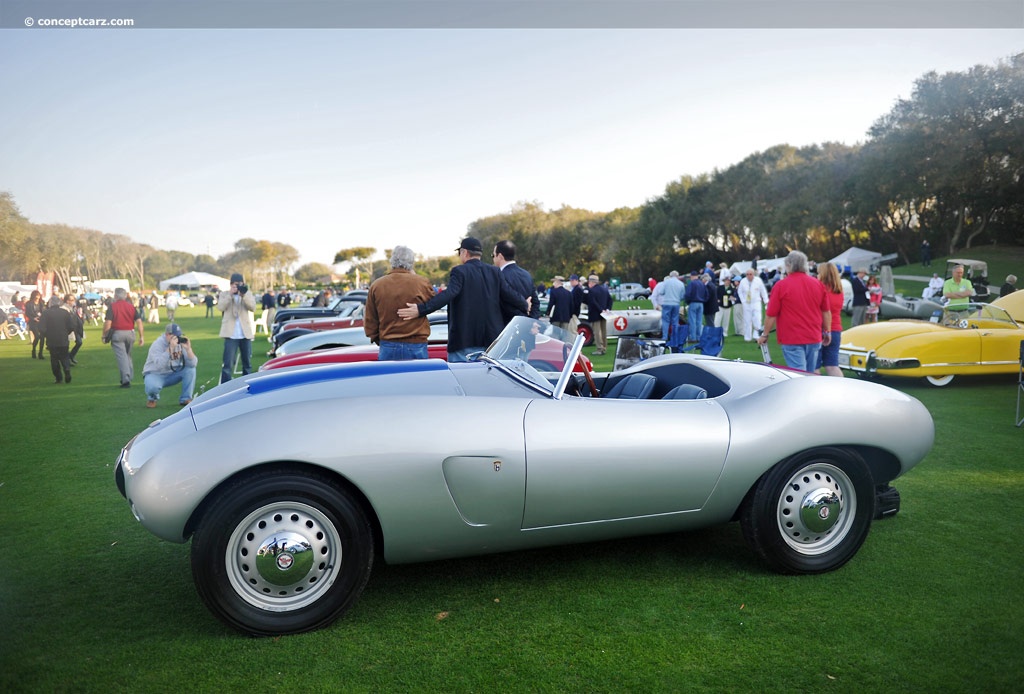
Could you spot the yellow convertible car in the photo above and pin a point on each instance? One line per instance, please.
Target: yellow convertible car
(979, 339)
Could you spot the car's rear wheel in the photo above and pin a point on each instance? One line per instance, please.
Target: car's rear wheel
(281, 552)
(811, 513)
(940, 381)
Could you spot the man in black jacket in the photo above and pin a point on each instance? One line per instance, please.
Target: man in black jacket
(598, 300)
(57, 324)
(518, 278)
(476, 297)
(860, 296)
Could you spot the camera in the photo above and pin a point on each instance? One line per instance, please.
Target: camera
(243, 288)
(182, 340)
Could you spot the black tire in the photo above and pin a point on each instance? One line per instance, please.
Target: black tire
(811, 513)
(281, 552)
(587, 332)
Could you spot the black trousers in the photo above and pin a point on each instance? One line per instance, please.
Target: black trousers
(60, 360)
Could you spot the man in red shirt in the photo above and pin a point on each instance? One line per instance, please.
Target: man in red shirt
(798, 306)
(119, 326)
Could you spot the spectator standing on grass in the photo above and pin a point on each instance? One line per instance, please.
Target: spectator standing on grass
(711, 302)
(726, 300)
(154, 308)
(237, 326)
(696, 295)
(874, 300)
(599, 300)
(119, 327)
(860, 300)
(828, 275)
(669, 294)
(33, 316)
(209, 302)
(800, 308)
(171, 305)
(57, 324)
(399, 340)
(71, 306)
(518, 278)
(753, 296)
(269, 303)
(476, 297)
(560, 305)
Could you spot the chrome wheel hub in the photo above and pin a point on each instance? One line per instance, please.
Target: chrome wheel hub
(816, 508)
(283, 556)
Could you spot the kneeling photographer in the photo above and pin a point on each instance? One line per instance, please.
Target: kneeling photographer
(171, 360)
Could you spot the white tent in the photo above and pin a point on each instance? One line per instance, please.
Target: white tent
(195, 280)
(854, 258)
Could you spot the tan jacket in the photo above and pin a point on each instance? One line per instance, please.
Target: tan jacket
(390, 293)
(233, 311)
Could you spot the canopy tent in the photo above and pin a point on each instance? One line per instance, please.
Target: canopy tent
(195, 280)
(855, 258)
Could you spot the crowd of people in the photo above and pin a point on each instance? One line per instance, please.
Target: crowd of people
(802, 303)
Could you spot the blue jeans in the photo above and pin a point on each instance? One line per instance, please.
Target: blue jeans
(154, 383)
(461, 355)
(669, 320)
(695, 317)
(402, 351)
(803, 357)
(231, 348)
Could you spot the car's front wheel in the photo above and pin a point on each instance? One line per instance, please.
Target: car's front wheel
(281, 552)
(810, 513)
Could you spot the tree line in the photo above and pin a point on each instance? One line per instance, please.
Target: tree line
(944, 165)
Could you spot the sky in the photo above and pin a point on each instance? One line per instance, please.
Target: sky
(328, 139)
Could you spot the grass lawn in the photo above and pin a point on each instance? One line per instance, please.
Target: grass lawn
(89, 601)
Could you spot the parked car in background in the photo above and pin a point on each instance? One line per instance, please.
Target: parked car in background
(631, 322)
(285, 529)
(982, 339)
(342, 306)
(630, 291)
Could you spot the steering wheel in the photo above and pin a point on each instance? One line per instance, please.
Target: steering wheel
(594, 392)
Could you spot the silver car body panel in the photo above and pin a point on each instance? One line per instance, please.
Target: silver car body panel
(460, 459)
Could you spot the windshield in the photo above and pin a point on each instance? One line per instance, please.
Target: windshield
(976, 316)
(530, 348)
(347, 307)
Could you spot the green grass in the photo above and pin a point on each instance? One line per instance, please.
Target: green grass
(89, 601)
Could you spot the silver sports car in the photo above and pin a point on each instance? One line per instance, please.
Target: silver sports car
(446, 460)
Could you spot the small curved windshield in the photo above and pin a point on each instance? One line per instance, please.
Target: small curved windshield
(533, 350)
(976, 316)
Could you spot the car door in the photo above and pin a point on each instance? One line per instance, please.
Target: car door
(590, 459)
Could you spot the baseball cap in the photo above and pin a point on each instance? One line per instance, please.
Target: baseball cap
(237, 277)
(593, 278)
(558, 278)
(173, 329)
(470, 244)
(574, 277)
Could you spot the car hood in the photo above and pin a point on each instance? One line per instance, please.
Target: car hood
(871, 337)
(288, 386)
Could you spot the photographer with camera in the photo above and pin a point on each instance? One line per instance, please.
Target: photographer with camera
(237, 326)
(171, 360)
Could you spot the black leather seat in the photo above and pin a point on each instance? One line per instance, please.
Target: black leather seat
(633, 387)
(686, 391)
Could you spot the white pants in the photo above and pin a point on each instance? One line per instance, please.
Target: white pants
(722, 319)
(751, 320)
